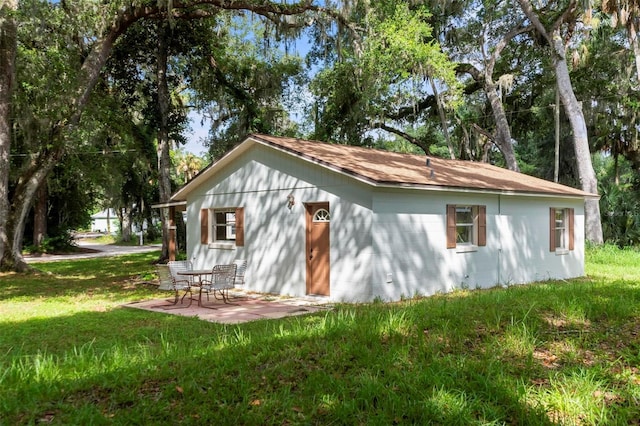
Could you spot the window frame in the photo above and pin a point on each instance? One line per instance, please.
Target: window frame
(478, 227)
(234, 234)
(470, 227)
(228, 225)
(568, 230)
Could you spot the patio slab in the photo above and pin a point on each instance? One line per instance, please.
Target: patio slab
(243, 308)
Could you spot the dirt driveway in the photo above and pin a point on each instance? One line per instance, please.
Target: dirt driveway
(89, 249)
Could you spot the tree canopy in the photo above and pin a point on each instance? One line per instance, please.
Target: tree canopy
(103, 89)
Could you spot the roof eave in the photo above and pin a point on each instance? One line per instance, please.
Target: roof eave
(169, 204)
(394, 185)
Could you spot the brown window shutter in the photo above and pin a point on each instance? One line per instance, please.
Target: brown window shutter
(482, 225)
(570, 214)
(552, 229)
(204, 226)
(451, 226)
(240, 226)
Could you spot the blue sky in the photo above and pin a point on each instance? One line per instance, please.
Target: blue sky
(197, 134)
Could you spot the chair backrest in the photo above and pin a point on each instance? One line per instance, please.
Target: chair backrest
(164, 276)
(176, 266)
(241, 268)
(223, 276)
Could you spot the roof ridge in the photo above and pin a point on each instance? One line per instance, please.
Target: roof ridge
(268, 138)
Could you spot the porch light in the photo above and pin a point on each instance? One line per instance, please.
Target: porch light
(291, 201)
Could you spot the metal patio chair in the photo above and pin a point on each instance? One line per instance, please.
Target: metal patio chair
(222, 280)
(241, 268)
(181, 282)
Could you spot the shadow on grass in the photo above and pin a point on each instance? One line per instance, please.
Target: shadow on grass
(465, 358)
(156, 367)
(107, 276)
(442, 360)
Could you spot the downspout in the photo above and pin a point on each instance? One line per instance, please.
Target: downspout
(499, 242)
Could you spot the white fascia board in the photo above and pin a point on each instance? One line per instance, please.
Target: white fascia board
(439, 188)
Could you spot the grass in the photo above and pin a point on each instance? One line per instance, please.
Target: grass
(547, 353)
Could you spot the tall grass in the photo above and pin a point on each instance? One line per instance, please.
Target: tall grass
(545, 353)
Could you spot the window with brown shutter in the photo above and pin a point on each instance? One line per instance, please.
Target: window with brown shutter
(561, 229)
(451, 226)
(222, 225)
(204, 226)
(482, 226)
(466, 226)
(240, 226)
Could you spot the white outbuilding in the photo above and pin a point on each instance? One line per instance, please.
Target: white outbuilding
(357, 224)
(105, 221)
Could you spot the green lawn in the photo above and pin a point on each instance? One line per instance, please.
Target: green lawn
(546, 353)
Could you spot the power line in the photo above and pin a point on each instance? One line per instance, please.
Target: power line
(123, 151)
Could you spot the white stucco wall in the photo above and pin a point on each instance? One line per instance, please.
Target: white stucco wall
(526, 256)
(410, 251)
(386, 243)
(275, 242)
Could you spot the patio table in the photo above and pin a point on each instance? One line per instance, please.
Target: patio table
(195, 273)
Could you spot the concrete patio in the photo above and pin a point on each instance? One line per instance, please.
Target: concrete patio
(243, 307)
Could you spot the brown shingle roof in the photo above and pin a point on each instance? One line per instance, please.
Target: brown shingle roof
(396, 169)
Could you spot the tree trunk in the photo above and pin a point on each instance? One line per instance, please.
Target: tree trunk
(124, 216)
(573, 109)
(22, 200)
(443, 119)
(503, 131)
(109, 220)
(40, 216)
(181, 232)
(502, 138)
(633, 38)
(8, 46)
(164, 160)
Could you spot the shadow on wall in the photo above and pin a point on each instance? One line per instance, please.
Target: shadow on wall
(279, 239)
(398, 251)
(412, 258)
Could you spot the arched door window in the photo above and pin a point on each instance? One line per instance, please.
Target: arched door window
(322, 215)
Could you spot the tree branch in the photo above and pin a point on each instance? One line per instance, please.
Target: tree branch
(520, 29)
(473, 71)
(527, 8)
(236, 92)
(429, 102)
(128, 15)
(417, 142)
(484, 133)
